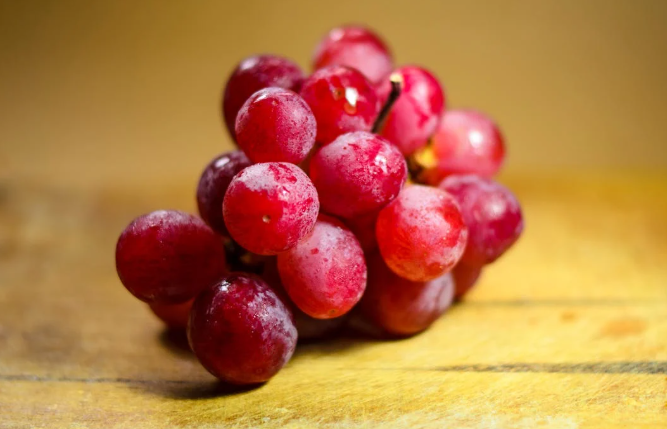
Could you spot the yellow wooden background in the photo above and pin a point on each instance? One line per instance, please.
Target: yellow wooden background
(110, 109)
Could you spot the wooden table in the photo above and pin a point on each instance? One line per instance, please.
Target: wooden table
(568, 330)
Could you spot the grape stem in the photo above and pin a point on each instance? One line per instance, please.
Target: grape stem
(396, 81)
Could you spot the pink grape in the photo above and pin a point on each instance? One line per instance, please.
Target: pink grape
(241, 331)
(275, 125)
(357, 173)
(309, 328)
(251, 75)
(355, 47)
(416, 113)
(168, 256)
(213, 185)
(492, 213)
(325, 274)
(342, 100)
(421, 234)
(400, 306)
(270, 206)
(466, 142)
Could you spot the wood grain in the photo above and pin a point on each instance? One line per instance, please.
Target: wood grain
(568, 330)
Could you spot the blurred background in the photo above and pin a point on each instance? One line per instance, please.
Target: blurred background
(126, 93)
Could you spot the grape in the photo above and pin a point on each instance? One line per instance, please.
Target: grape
(275, 125)
(213, 185)
(251, 75)
(465, 277)
(400, 306)
(467, 142)
(241, 331)
(363, 228)
(360, 324)
(309, 328)
(421, 234)
(416, 113)
(325, 274)
(269, 207)
(239, 259)
(357, 173)
(342, 101)
(175, 316)
(168, 256)
(492, 213)
(355, 47)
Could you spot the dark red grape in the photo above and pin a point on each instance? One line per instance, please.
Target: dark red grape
(269, 207)
(355, 47)
(363, 228)
(421, 234)
(239, 259)
(342, 100)
(357, 173)
(492, 214)
(400, 306)
(311, 329)
(213, 184)
(467, 142)
(325, 274)
(175, 316)
(241, 331)
(168, 256)
(465, 277)
(416, 113)
(275, 125)
(255, 73)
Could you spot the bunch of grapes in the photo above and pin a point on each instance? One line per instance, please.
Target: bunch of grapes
(353, 192)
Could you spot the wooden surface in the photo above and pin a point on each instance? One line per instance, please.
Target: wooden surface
(568, 330)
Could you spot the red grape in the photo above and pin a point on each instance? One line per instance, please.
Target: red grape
(400, 306)
(465, 277)
(255, 73)
(174, 316)
(467, 142)
(269, 207)
(168, 256)
(416, 113)
(213, 185)
(342, 100)
(355, 47)
(241, 331)
(421, 234)
(309, 328)
(357, 173)
(363, 228)
(492, 214)
(274, 125)
(325, 274)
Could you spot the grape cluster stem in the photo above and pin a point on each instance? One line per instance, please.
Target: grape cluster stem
(396, 87)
